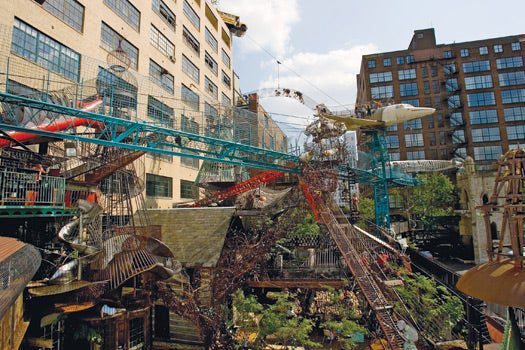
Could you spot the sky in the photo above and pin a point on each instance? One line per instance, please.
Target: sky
(320, 42)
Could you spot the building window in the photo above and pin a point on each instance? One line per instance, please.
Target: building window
(498, 48)
(386, 91)
(160, 112)
(478, 82)
(122, 104)
(430, 121)
(211, 17)
(226, 79)
(409, 89)
(453, 102)
(464, 53)
(159, 186)
(395, 156)
(69, 11)
(226, 101)
(191, 41)
(413, 102)
(509, 62)
(406, 74)
(161, 76)
(414, 140)
(191, 15)
(392, 141)
(516, 46)
(164, 12)
(481, 99)
(392, 128)
(483, 50)
(188, 190)
(456, 119)
(424, 72)
(125, 10)
(428, 102)
(452, 85)
(415, 155)
(485, 135)
(514, 114)
(431, 137)
(161, 43)
(436, 86)
(189, 125)
(485, 116)
(211, 88)
(437, 101)
(110, 39)
(387, 62)
(413, 124)
(210, 62)
(512, 78)
(190, 69)
(410, 59)
(400, 60)
(447, 54)
(426, 87)
(487, 152)
(442, 138)
(458, 137)
(46, 52)
(226, 59)
(433, 71)
(371, 63)
(513, 96)
(225, 37)
(189, 98)
(516, 132)
(210, 39)
(476, 66)
(380, 77)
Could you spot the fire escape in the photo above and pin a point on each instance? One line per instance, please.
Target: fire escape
(454, 115)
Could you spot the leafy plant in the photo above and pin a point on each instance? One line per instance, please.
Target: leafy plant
(342, 330)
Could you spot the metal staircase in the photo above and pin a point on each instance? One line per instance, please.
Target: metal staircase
(356, 249)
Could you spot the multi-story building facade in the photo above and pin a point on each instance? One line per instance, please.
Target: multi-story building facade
(179, 55)
(477, 88)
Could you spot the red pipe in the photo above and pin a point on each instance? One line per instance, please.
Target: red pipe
(57, 125)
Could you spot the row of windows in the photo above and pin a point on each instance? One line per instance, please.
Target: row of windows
(481, 99)
(516, 132)
(191, 41)
(69, 11)
(478, 82)
(409, 89)
(41, 49)
(380, 77)
(485, 135)
(160, 112)
(514, 114)
(509, 62)
(190, 69)
(387, 61)
(189, 98)
(406, 74)
(414, 140)
(476, 66)
(484, 50)
(210, 39)
(162, 186)
(487, 152)
(211, 88)
(125, 10)
(483, 117)
(512, 78)
(513, 96)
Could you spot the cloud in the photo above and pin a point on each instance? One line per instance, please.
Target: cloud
(269, 23)
(333, 72)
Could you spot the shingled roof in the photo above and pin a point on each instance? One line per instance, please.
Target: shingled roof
(195, 235)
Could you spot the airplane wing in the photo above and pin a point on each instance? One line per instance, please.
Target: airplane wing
(352, 123)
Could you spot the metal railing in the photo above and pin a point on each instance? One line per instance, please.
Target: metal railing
(31, 189)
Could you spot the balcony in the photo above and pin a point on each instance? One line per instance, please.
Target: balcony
(29, 194)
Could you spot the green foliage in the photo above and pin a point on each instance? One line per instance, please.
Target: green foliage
(433, 196)
(442, 310)
(344, 329)
(367, 211)
(308, 227)
(85, 332)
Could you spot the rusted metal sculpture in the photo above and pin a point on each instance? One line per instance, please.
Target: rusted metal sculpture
(502, 279)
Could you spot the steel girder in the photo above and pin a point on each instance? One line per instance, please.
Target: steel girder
(143, 136)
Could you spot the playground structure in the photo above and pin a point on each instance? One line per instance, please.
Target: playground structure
(115, 246)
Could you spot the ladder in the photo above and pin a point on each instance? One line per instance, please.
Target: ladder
(355, 247)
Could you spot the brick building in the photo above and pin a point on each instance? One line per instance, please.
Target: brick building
(477, 88)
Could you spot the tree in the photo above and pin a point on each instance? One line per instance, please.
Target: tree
(367, 212)
(307, 228)
(434, 195)
(343, 329)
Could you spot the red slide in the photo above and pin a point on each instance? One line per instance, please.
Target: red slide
(56, 125)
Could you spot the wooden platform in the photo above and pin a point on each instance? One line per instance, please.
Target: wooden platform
(298, 283)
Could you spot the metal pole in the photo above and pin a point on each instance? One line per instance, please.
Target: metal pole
(7, 74)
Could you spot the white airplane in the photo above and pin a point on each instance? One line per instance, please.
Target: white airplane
(381, 117)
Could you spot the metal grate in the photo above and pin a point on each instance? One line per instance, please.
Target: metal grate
(31, 189)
